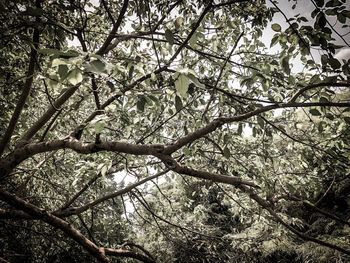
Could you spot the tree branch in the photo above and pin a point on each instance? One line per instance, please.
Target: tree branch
(26, 89)
(114, 30)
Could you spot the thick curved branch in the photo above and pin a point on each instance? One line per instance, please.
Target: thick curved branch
(28, 150)
(176, 167)
(97, 252)
(312, 86)
(54, 221)
(215, 124)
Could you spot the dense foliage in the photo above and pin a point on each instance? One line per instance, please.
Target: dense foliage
(174, 131)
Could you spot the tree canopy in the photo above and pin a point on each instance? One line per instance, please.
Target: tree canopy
(174, 131)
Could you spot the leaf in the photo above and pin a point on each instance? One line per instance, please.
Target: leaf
(319, 3)
(226, 152)
(110, 85)
(193, 40)
(75, 77)
(153, 76)
(179, 22)
(346, 13)
(178, 104)
(285, 64)
(59, 61)
(260, 122)
(315, 112)
(140, 104)
(49, 51)
(195, 81)
(99, 126)
(322, 21)
(96, 66)
(323, 99)
(335, 64)
(63, 72)
(276, 27)
(169, 36)
(274, 40)
(347, 120)
(181, 85)
(240, 129)
(53, 84)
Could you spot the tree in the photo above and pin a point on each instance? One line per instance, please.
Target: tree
(237, 113)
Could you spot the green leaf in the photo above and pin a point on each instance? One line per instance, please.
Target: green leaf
(335, 64)
(226, 152)
(179, 22)
(285, 64)
(322, 21)
(323, 99)
(75, 77)
(260, 121)
(96, 66)
(193, 40)
(315, 112)
(274, 40)
(169, 36)
(49, 51)
(99, 126)
(59, 61)
(240, 129)
(153, 76)
(140, 104)
(53, 84)
(63, 72)
(181, 85)
(178, 103)
(276, 27)
(319, 3)
(346, 13)
(195, 81)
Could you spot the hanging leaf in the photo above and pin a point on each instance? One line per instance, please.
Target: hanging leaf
(178, 103)
(285, 64)
(274, 40)
(140, 104)
(260, 121)
(181, 85)
(75, 77)
(276, 27)
(240, 129)
(226, 152)
(169, 36)
(321, 20)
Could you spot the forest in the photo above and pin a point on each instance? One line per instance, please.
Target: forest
(174, 131)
